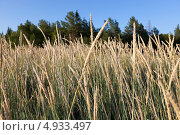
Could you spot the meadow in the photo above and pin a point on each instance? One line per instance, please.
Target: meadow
(106, 80)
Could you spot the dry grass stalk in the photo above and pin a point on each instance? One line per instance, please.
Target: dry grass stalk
(1, 47)
(6, 102)
(157, 42)
(91, 29)
(76, 76)
(82, 41)
(95, 110)
(139, 106)
(154, 109)
(6, 106)
(41, 86)
(109, 84)
(29, 44)
(85, 64)
(16, 60)
(58, 37)
(20, 39)
(1, 117)
(87, 95)
(166, 99)
(176, 108)
(43, 34)
(173, 74)
(133, 64)
(50, 84)
(146, 62)
(134, 46)
(148, 89)
(174, 104)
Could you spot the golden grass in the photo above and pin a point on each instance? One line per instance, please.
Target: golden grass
(91, 29)
(85, 64)
(65, 81)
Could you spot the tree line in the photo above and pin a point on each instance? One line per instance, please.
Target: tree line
(74, 26)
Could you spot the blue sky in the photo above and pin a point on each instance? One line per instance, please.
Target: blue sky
(164, 14)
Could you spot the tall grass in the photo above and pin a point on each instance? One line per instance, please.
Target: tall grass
(117, 82)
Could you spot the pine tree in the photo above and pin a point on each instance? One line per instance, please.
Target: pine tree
(9, 33)
(177, 34)
(45, 27)
(128, 33)
(112, 30)
(155, 31)
(72, 24)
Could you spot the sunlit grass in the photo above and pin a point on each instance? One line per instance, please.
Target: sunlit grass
(117, 83)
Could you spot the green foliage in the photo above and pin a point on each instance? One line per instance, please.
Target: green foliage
(73, 26)
(45, 26)
(128, 33)
(12, 37)
(112, 30)
(85, 31)
(165, 37)
(177, 34)
(9, 33)
(155, 31)
(31, 32)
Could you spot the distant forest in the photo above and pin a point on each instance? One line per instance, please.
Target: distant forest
(74, 26)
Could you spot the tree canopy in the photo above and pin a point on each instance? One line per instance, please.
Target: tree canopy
(177, 34)
(73, 26)
(140, 30)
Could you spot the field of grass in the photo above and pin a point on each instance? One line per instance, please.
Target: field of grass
(113, 81)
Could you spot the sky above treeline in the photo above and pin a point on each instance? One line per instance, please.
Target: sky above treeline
(163, 14)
